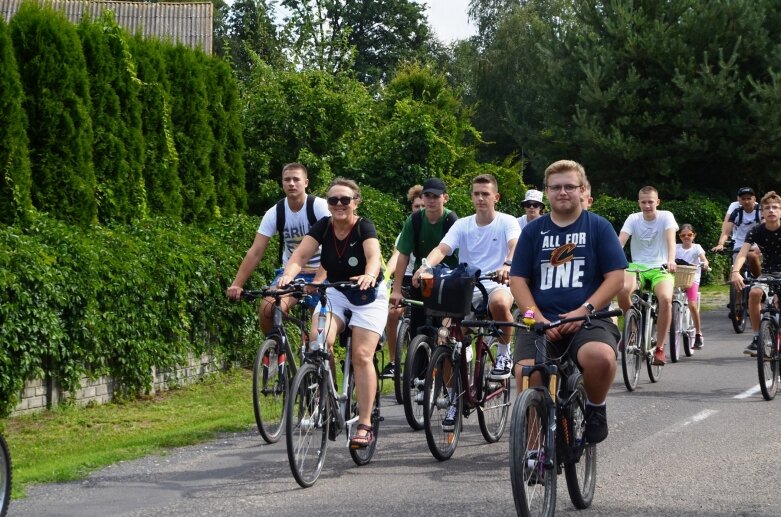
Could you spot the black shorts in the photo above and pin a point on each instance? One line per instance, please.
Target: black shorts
(603, 331)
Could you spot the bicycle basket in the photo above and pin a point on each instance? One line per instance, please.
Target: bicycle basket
(684, 276)
(451, 292)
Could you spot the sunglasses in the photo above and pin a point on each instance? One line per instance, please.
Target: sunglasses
(335, 200)
(533, 205)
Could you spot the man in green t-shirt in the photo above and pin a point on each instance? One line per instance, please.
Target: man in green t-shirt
(421, 233)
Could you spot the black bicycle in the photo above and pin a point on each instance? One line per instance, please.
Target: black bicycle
(546, 431)
(316, 411)
(738, 301)
(5, 476)
(769, 347)
(275, 363)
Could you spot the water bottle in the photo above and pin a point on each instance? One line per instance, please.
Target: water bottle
(426, 279)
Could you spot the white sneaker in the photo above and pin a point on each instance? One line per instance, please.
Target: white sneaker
(502, 367)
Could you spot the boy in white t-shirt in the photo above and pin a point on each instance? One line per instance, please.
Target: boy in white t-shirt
(485, 240)
(299, 214)
(652, 246)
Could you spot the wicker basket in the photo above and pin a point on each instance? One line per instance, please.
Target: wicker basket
(684, 276)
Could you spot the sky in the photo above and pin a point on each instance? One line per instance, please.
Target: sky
(448, 18)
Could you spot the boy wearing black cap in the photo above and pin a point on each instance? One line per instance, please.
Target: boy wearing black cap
(740, 220)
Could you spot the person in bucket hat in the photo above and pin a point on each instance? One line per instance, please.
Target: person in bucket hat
(533, 205)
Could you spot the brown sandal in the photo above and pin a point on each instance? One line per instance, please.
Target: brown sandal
(362, 441)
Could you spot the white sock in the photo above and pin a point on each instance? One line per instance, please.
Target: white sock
(589, 403)
(503, 349)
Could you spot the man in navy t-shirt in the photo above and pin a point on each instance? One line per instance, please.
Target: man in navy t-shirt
(570, 263)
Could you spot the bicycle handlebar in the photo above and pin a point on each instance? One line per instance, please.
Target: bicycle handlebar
(540, 327)
(296, 287)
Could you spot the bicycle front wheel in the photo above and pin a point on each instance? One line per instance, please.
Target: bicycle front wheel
(631, 349)
(442, 392)
(414, 380)
(400, 359)
(270, 382)
(308, 419)
(739, 310)
(768, 359)
(495, 401)
(532, 473)
(5, 476)
(688, 331)
(675, 331)
(580, 470)
(362, 456)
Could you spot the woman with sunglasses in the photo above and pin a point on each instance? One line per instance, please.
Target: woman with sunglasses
(533, 205)
(350, 252)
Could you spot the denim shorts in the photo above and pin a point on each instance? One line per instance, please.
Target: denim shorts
(309, 300)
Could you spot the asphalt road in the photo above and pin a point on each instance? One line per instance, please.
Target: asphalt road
(700, 442)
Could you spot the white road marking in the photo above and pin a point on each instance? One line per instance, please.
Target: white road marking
(746, 394)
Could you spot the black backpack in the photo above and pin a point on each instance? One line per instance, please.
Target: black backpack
(417, 223)
(310, 214)
(739, 212)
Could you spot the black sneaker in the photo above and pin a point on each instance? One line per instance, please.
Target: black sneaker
(752, 348)
(449, 423)
(596, 424)
(698, 341)
(388, 371)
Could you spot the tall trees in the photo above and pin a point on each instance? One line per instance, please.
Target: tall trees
(14, 158)
(56, 87)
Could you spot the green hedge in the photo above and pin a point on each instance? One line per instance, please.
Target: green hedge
(119, 301)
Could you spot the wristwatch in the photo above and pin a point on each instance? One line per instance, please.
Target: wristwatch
(589, 307)
(508, 262)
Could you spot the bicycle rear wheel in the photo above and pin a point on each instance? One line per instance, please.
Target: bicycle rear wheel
(495, 400)
(532, 474)
(654, 370)
(364, 455)
(414, 380)
(631, 349)
(739, 310)
(442, 389)
(400, 359)
(270, 382)
(768, 359)
(308, 419)
(675, 331)
(580, 470)
(5, 476)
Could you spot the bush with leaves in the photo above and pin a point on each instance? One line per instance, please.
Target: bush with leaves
(117, 301)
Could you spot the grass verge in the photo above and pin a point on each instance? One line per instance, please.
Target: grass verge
(70, 442)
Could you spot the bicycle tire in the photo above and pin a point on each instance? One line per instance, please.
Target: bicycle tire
(364, 455)
(675, 331)
(533, 479)
(739, 310)
(307, 424)
(494, 405)
(581, 472)
(269, 391)
(418, 359)
(654, 370)
(400, 359)
(767, 359)
(687, 336)
(5, 476)
(437, 398)
(632, 350)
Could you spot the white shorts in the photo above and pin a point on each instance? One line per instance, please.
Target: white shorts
(490, 287)
(371, 316)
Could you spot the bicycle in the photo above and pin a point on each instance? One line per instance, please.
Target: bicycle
(738, 302)
(639, 336)
(414, 373)
(681, 324)
(769, 349)
(403, 339)
(547, 427)
(275, 363)
(5, 476)
(449, 381)
(316, 412)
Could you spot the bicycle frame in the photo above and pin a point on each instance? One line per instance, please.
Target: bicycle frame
(644, 302)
